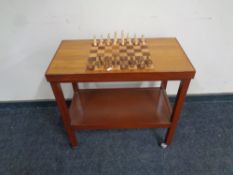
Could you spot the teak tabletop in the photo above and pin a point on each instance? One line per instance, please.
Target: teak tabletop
(168, 57)
(124, 107)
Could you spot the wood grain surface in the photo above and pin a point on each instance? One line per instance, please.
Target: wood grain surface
(70, 60)
(120, 108)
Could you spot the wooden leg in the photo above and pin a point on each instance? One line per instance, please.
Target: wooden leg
(177, 109)
(164, 84)
(75, 86)
(64, 112)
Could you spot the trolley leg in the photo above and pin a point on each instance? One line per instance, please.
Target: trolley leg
(75, 86)
(57, 90)
(184, 84)
(164, 84)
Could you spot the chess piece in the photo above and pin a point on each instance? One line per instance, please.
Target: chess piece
(135, 40)
(143, 40)
(114, 61)
(115, 39)
(122, 38)
(90, 66)
(91, 59)
(94, 41)
(123, 65)
(138, 59)
(148, 62)
(123, 58)
(141, 65)
(108, 63)
(132, 62)
(98, 64)
(101, 40)
(101, 61)
(129, 40)
(127, 37)
(108, 40)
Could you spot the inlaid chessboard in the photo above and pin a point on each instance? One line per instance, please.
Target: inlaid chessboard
(109, 54)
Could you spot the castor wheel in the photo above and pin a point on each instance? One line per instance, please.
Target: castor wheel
(163, 145)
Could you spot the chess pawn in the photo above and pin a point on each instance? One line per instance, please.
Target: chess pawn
(149, 63)
(114, 61)
(123, 65)
(123, 58)
(91, 59)
(138, 59)
(141, 65)
(99, 62)
(135, 40)
(132, 62)
(108, 63)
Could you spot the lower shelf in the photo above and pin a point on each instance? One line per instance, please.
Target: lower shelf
(120, 108)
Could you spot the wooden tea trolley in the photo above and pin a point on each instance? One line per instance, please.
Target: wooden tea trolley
(122, 107)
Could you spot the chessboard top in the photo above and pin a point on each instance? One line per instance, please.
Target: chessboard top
(166, 53)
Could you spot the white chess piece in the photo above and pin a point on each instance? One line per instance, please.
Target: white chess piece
(115, 38)
(108, 40)
(129, 40)
(94, 40)
(143, 40)
(101, 40)
(135, 39)
(122, 38)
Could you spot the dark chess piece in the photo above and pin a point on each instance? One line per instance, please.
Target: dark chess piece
(139, 59)
(148, 61)
(141, 65)
(101, 61)
(123, 65)
(92, 59)
(98, 64)
(107, 59)
(90, 65)
(124, 58)
(132, 62)
(115, 61)
(107, 63)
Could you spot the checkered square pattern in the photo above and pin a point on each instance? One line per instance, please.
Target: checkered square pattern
(118, 55)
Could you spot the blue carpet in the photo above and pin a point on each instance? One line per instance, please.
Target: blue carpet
(32, 141)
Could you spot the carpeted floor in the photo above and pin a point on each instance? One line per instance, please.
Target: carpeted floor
(32, 141)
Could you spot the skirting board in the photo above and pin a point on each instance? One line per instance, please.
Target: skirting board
(189, 98)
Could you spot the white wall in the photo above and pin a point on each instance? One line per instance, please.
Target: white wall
(30, 31)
